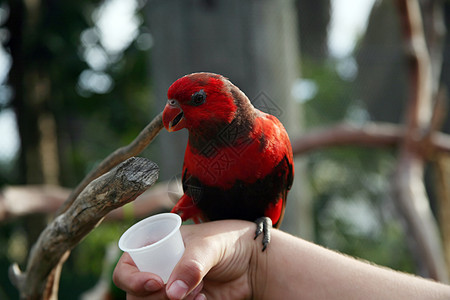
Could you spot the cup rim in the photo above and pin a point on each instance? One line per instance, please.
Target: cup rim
(153, 218)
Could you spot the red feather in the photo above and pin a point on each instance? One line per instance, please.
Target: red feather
(238, 162)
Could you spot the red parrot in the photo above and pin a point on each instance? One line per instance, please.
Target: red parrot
(238, 162)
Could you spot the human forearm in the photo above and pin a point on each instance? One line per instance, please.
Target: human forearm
(222, 261)
(298, 268)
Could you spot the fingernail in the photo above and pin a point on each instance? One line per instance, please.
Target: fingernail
(200, 297)
(152, 285)
(177, 290)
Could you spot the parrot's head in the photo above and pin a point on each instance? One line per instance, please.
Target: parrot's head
(199, 102)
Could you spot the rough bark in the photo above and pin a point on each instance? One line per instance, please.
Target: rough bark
(112, 190)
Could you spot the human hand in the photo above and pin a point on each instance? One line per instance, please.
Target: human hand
(219, 262)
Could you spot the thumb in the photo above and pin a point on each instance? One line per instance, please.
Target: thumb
(206, 246)
(198, 258)
(189, 272)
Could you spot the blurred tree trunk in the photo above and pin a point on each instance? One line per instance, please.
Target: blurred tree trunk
(382, 69)
(442, 167)
(382, 75)
(30, 82)
(254, 43)
(314, 18)
(443, 163)
(27, 120)
(445, 77)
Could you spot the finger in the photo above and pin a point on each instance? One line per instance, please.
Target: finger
(206, 245)
(160, 295)
(199, 257)
(127, 277)
(195, 292)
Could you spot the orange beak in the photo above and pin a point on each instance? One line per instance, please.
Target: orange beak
(173, 118)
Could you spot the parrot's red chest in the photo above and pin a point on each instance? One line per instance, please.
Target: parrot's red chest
(221, 163)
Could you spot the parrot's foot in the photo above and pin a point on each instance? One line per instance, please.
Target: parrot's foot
(263, 226)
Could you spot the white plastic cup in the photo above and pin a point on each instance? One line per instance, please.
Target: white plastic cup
(155, 244)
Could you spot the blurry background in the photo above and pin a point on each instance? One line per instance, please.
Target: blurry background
(78, 79)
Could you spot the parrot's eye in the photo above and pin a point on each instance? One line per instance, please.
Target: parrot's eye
(198, 98)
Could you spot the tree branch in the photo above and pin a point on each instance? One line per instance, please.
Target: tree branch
(371, 134)
(368, 135)
(144, 138)
(18, 201)
(113, 189)
(409, 187)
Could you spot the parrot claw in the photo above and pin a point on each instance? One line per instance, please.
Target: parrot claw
(263, 226)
